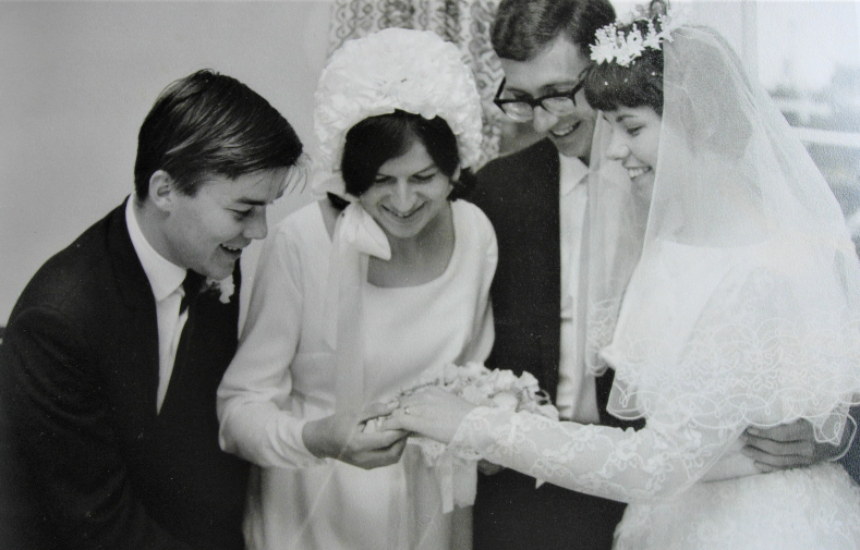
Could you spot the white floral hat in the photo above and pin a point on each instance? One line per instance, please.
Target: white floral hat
(414, 71)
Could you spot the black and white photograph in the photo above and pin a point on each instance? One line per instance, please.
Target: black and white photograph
(430, 275)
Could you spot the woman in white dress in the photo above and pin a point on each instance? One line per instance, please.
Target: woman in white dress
(723, 289)
(356, 297)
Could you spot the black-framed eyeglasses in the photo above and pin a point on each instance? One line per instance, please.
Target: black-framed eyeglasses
(522, 109)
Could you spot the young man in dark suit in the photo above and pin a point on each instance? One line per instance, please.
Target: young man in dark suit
(114, 351)
(536, 199)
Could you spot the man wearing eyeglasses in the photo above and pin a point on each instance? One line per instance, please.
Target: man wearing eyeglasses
(536, 199)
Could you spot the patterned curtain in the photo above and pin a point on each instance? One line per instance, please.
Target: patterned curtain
(466, 23)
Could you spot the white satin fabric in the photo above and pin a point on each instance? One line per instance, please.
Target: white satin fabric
(284, 374)
(356, 238)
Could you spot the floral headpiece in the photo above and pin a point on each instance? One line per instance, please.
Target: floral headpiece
(414, 71)
(622, 48)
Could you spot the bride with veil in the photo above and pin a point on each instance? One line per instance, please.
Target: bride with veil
(723, 288)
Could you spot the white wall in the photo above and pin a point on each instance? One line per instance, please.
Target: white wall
(77, 79)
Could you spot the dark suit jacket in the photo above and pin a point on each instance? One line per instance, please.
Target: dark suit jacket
(520, 195)
(87, 462)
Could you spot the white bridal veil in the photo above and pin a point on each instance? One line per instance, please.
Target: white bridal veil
(732, 297)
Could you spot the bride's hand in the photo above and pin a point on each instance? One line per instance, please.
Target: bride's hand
(431, 412)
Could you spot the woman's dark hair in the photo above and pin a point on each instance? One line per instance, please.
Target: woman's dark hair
(376, 140)
(209, 123)
(609, 85)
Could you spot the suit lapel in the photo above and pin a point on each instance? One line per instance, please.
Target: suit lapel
(141, 336)
(546, 275)
(548, 279)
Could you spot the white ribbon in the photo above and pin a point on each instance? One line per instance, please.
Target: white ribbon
(356, 237)
(457, 479)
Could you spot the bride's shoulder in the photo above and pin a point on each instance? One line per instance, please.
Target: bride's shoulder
(472, 220)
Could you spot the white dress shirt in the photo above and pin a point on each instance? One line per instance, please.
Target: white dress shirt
(576, 397)
(166, 279)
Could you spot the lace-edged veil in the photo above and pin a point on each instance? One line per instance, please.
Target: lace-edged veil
(777, 335)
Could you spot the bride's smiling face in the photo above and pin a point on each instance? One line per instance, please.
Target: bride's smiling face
(635, 142)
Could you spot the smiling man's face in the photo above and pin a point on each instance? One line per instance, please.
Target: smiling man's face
(555, 69)
(207, 232)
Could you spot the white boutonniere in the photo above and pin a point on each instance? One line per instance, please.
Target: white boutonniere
(225, 288)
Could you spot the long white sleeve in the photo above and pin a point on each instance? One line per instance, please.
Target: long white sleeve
(624, 465)
(253, 394)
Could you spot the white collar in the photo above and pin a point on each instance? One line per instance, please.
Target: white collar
(572, 172)
(164, 276)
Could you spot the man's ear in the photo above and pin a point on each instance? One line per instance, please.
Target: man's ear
(162, 190)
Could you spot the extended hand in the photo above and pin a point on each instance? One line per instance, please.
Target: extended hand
(342, 436)
(430, 412)
(786, 446)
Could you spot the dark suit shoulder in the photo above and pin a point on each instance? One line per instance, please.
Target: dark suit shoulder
(519, 179)
(537, 160)
(74, 280)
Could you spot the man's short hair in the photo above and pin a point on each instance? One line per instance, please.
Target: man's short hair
(523, 28)
(208, 123)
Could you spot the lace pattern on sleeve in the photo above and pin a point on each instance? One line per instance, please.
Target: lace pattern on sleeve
(607, 462)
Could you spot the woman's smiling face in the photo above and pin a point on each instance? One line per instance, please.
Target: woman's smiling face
(635, 141)
(408, 193)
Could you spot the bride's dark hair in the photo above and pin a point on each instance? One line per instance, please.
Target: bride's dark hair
(640, 83)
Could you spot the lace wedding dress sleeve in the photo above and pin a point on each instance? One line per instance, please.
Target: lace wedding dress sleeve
(623, 465)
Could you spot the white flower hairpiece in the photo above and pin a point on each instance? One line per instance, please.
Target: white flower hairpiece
(413, 71)
(622, 48)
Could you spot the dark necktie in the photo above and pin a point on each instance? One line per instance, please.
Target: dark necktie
(191, 285)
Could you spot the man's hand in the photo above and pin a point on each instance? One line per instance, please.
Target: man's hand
(787, 446)
(343, 436)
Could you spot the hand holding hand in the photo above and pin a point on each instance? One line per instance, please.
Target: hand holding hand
(431, 412)
(342, 436)
(786, 446)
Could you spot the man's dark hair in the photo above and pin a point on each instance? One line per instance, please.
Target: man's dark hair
(523, 28)
(208, 123)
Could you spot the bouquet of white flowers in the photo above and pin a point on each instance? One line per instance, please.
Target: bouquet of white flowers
(479, 385)
(456, 471)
